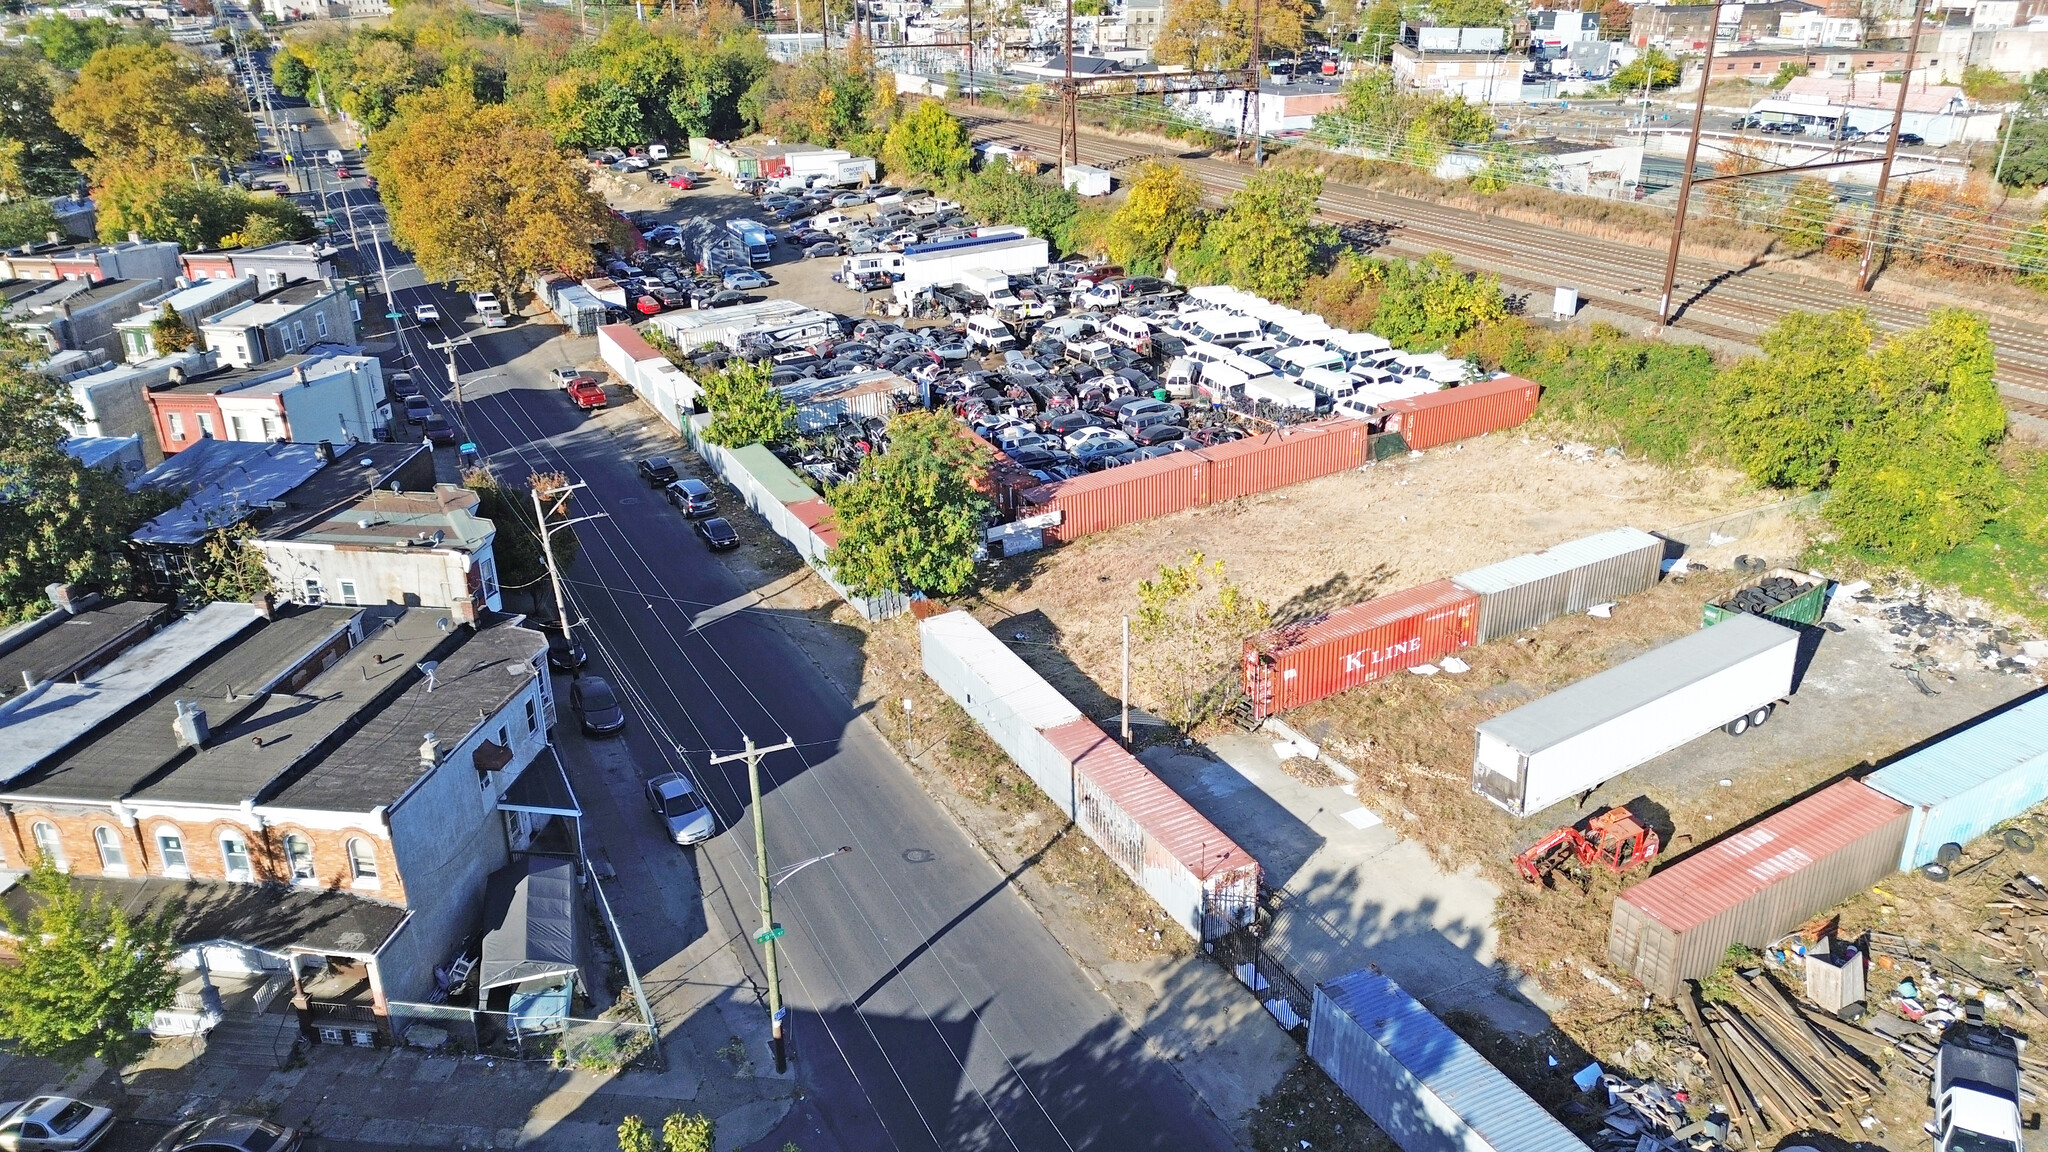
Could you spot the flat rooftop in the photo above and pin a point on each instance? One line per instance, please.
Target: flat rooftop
(238, 379)
(357, 468)
(444, 517)
(79, 641)
(279, 304)
(224, 677)
(273, 917)
(76, 294)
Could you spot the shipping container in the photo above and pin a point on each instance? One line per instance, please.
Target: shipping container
(1287, 456)
(1292, 665)
(1463, 412)
(1970, 781)
(1806, 608)
(1118, 496)
(1755, 884)
(1529, 590)
(1197, 874)
(1588, 733)
(578, 309)
(1428, 1090)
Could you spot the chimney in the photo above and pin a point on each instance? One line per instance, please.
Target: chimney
(265, 604)
(430, 750)
(134, 237)
(327, 452)
(64, 596)
(52, 234)
(190, 725)
(463, 610)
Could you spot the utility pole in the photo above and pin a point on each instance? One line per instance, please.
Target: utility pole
(1252, 92)
(1070, 119)
(455, 376)
(1127, 680)
(547, 542)
(973, 93)
(770, 930)
(1891, 147)
(1692, 152)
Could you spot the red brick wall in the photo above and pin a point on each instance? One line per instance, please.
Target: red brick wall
(188, 406)
(202, 848)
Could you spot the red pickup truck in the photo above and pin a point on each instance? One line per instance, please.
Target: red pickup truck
(587, 393)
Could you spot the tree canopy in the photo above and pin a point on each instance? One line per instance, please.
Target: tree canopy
(1211, 34)
(153, 107)
(87, 977)
(928, 141)
(665, 79)
(1267, 240)
(1161, 214)
(1191, 627)
(1382, 115)
(745, 408)
(36, 154)
(1001, 191)
(167, 204)
(480, 196)
(1429, 302)
(69, 43)
(911, 518)
(1654, 66)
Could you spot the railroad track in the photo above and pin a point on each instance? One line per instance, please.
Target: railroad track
(1717, 300)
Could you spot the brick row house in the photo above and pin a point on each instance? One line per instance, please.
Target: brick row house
(365, 764)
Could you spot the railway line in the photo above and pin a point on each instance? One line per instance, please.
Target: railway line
(1717, 300)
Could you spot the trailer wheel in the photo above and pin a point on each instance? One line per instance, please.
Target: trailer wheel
(1935, 872)
(1762, 714)
(2019, 841)
(1737, 726)
(1949, 853)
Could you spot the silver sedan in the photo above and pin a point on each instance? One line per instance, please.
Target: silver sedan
(681, 809)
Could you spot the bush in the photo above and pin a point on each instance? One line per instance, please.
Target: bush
(1653, 398)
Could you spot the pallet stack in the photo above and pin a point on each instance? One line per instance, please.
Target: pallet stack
(1781, 1068)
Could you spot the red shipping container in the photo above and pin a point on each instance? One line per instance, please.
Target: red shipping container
(1463, 412)
(1287, 456)
(1117, 496)
(1292, 665)
(1167, 820)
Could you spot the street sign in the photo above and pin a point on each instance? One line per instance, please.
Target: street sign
(772, 932)
(394, 315)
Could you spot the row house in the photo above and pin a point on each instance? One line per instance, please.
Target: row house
(273, 265)
(80, 315)
(194, 305)
(284, 321)
(137, 259)
(367, 759)
(420, 549)
(324, 394)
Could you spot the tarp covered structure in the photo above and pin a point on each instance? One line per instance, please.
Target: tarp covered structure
(530, 923)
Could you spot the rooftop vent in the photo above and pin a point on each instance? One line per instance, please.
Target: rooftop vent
(189, 726)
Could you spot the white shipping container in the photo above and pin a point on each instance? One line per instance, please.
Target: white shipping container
(1011, 702)
(1086, 180)
(1428, 1090)
(1587, 734)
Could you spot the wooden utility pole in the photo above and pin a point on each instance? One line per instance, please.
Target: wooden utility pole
(1891, 148)
(770, 931)
(1692, 152)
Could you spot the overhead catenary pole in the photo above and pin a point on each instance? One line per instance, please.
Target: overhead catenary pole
(1127, 680)
(973, 93)
(1692, 153)
(1891, 148)
(1070, 120)
(766, 936)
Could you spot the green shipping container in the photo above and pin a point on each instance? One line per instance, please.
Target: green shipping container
(1805, 608)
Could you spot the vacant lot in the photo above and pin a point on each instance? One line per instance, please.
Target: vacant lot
(1349, 537)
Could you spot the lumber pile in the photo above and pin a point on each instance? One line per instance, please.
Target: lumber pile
(1779, 1068)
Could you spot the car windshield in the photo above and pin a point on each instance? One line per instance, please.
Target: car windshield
(1978, 1142)
(71, 1117)
(657, 463)
(597, 696)
(683, 803)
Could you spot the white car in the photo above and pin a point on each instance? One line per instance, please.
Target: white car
(53, 1124)
(426, 314)
(681, 808)
(1081, 436)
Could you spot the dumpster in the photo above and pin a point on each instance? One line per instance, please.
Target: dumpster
(1784, 594)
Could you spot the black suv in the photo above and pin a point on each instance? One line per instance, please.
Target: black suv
(657, 471)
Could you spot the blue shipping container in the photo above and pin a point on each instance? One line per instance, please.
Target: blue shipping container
(1424, 1087)
(1967, 784)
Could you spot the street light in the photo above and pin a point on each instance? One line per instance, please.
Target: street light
(776, 880)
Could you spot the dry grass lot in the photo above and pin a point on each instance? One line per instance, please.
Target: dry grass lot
(1349, 537)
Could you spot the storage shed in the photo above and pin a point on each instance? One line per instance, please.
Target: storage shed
(1427, 1089)
(1968, 782)
(1755, 884)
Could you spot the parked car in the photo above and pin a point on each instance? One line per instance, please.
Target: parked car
(692, 497)
(744, 278)
(684, 180)
(564, 377)
(1913, 138)
(658, 471)
(439, 432)
(821, 250)
(1159, 434)
(596, 706)
(681, 809)
(564, 653)
(718, 533)
(849, 199)
(417, 409)
(230, 1134)
(728, 299)
(586, 394)
(53, 1124)
(402, 385)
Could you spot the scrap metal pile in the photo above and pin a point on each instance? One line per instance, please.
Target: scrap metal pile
(1780, 1066)
(1766, 594)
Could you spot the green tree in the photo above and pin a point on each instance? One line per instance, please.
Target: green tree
(86, 977)
(1191, 626)
(1470, 13)
(27, 222)
(693, 1132)
(153, 107)
(1382, 115)
(2029, 252)
(911, 517)
(170, 333)
(745, 407)
(290, 74)
(69, 43)
(225, 567)
(521, 562)
(634, 1136)
(2025, 153)
(36, 154)
(61, 522)
(1808, 211)
(1382, 29)
(1787, 72)
(929, 141)
(1266, 241)
(1430, 302)
(481, 196)
(664, 79)
(272, 220)
(1787, 414)
(1652, 65)
(1161, 213)
(1003, 193)
(167, 204)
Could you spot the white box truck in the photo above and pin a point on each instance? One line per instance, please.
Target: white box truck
(1582, 736)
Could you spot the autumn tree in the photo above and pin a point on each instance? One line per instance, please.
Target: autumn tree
(521, 561)
(69, 43)
(86, 976)
(1161, 213)
(36, 153)
(1267, 240)
(928, 141)
(745, 407)
(152, 107)
(1190, 629)
(170, 333)
(224, 567)
(911, 518)
(480, 196)
(1787, 415)
(61, 522)
(1654, 66)
(1212, 34)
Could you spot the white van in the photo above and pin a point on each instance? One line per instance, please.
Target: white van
(833, 223)
(1202, 353)
(1280, 392)
(1356, 344)
(852, 268)
(989, 334)
(1220, 382)
(1225, 328)
(1131, 332)
(1330, 385)
(657, 151)
(1180, 376)
(1302, 357)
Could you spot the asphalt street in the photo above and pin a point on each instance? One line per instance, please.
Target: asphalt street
(930, 1008)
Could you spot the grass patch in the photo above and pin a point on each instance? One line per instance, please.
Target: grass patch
(1655, 399)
